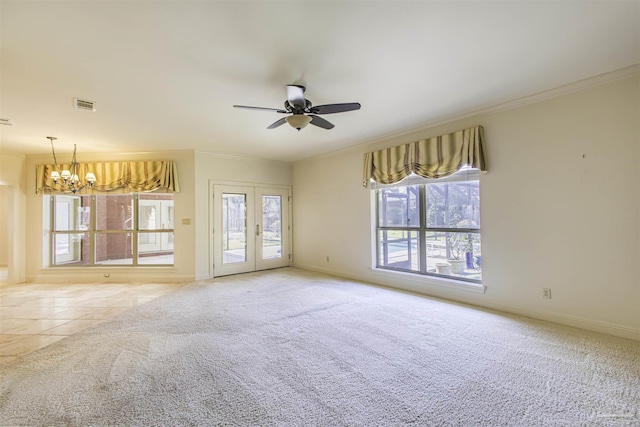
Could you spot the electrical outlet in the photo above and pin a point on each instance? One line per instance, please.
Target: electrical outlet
(546, 293)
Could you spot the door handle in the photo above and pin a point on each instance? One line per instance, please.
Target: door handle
(257, 229)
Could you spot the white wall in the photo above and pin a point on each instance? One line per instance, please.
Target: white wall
(192, 246)
(216, 168)
(184, 235)
(560, 210)
(12, 179)
(5, 195)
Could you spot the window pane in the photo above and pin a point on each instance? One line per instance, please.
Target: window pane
(453, 205)
(71, 213)
(114, 248)
(155, 248)
(399, 249)
(271, 227)
(155, 212)
(234, 228)
(71, 249)
(112, 217)
(114, 212)
(454, 254)
(399, 207)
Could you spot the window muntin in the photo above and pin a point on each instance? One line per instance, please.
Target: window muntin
(122, 229)
(431, 228)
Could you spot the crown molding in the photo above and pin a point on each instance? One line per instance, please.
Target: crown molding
(579, 85)
(241, 158)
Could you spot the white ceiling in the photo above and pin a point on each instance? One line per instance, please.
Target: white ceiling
(165, 74)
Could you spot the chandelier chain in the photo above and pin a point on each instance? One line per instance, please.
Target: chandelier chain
(51, 139)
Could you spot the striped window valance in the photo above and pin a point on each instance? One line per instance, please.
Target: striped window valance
(435, 157)
(122, 177)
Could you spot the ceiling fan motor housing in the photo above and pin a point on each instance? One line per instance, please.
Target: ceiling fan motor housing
(297, 109)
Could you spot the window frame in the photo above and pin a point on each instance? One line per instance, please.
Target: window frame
(464, 175)
(91, 232)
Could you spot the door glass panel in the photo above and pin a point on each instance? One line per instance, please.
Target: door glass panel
(271, 227)
(234, 228)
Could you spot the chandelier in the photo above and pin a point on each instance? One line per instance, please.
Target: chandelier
(70, 180)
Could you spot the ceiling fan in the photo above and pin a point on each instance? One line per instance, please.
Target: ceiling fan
(302, 111)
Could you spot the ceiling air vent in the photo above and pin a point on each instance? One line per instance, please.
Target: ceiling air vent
(6, 122)
(83, 104)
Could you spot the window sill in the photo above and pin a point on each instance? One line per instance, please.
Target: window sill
(431, 281)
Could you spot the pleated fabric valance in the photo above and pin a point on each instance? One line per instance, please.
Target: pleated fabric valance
(111, 176)
(435, 157)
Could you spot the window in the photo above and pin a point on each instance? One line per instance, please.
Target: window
(431, 227)
(123, 229)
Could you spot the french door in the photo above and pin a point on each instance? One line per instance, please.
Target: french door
(250, 229)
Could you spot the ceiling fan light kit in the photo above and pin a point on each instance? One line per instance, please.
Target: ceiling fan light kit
(298, 121)
(302, 110)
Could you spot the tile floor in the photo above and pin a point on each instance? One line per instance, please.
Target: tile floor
(33, 315)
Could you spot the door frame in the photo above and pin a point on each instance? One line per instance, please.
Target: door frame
(256, 185)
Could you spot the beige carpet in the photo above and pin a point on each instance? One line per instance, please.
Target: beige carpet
(294, 348)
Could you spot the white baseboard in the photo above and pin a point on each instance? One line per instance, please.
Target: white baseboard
(578, 322)
(203, 277)
(115, 276)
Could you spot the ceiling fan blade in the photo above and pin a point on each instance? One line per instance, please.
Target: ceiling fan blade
(295, 95)
(335, 108)
(320, 122)
(261, 108)
(278, 123)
